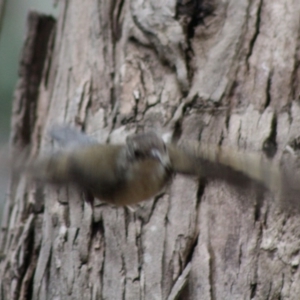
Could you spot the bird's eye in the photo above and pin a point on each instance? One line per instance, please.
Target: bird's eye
(137, 153)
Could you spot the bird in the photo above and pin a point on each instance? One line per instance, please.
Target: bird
(120, 174)
(142, 167)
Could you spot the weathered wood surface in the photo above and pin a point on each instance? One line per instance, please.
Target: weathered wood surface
(223, 72)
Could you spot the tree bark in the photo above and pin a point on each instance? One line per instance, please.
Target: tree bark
(222, 72)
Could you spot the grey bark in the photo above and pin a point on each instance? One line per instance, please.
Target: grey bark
(223, 72)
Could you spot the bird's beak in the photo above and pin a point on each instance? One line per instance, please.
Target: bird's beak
(163, 158)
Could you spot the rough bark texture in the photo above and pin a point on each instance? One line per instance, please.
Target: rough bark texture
(224, 72)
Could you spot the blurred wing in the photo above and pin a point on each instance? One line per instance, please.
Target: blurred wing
(69, 137)
(235, 167)
(53, 166)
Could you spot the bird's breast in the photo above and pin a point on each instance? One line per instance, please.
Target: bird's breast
(144, 180)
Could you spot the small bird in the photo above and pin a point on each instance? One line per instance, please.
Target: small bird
(118, 174)
(141, 168)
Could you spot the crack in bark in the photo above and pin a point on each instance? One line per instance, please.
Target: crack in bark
(253, 287)
(211, 275)
(258, 206)
(164, 266)
(268, 90)
(40, 28)
(116, 13)
(155, 201)
(266, 216)
(101, 273)
(256, 33)
(240, 256)
(191, 252)
(115, 31)
(22, 263)
(138, 244)
(84, 102)
(67, 89)
(200, 192)
(123, 275)
(270, 144)
(296, 71)
(281, 288)
(227, 121)
(49, 59)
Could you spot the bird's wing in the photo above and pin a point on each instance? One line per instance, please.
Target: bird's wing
(68, 137)
(236, 167)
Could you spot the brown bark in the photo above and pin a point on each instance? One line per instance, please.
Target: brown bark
(224, 72)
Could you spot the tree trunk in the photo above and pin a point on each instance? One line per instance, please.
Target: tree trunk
(222, 72)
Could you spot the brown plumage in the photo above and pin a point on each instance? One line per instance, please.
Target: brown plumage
(118, 174)
(142, 167)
